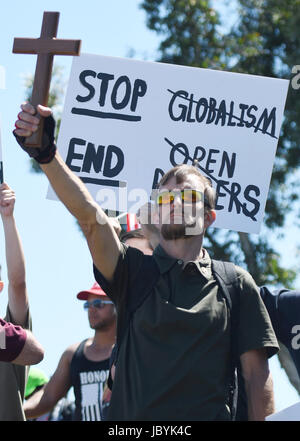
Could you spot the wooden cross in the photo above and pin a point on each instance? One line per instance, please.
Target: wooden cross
(45, 47)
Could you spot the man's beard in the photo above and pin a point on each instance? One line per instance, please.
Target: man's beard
(176, 231)
(190, 224)
(104, 324)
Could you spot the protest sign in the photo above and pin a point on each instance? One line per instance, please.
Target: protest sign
(127, 122)
(291, 413)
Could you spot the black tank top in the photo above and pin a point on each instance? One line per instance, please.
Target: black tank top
(88, 379)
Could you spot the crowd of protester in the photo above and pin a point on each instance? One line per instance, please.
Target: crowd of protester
(177, 334)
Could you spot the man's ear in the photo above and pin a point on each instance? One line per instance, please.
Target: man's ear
(209, 218)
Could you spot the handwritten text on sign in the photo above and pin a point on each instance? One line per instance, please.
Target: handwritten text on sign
(127, 122)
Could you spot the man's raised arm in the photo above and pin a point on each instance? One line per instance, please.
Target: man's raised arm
(102, 240)
(17, 293)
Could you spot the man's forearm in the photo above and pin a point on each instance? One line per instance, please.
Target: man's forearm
(38, 404)
(15, 261)
(260, 397)
(14, 252)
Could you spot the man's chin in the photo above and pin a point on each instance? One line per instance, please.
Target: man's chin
(174, 231)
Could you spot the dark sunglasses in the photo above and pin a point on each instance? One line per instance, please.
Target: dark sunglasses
(97, 303)
(187, 195)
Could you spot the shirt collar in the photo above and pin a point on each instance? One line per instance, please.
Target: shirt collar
(163, 260)
(166, 262)
(203, 265)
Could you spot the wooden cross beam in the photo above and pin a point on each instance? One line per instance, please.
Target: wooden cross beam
(45, 47)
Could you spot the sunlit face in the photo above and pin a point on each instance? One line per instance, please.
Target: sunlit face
(140, 244)
(100, 318)
(180, 219)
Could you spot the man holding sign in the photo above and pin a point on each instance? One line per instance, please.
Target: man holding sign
(175, 359)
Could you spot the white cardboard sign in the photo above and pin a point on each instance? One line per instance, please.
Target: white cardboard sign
(291, 413)
(126, 122)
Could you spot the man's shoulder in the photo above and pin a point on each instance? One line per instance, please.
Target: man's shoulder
(127, 250)
(129, 264)
(243, 276)
(244, 281)
(14, 338)
(70, 351)
(289, 295)
(128, 254)
(288, 303)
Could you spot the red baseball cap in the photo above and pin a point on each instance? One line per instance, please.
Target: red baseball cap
(95, 289)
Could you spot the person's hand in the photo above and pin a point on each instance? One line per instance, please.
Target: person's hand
(28, 123)
(7, 200)
(28, 119)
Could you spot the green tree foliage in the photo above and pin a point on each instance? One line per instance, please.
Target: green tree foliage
(264, 40)
(179, 22)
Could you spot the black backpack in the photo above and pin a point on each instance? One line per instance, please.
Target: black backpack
(226, 276)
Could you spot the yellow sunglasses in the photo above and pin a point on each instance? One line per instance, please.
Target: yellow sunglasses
(187, 195)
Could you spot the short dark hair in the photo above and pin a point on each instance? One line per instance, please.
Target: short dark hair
(181, 172)
(133, 234)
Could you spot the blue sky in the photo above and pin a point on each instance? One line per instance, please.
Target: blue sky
(58, 262)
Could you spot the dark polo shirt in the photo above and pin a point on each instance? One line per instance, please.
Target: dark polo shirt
(174, 361)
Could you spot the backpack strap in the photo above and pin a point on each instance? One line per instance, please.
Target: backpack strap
(226, 276)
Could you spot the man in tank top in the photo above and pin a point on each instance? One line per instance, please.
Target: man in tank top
(83, 366)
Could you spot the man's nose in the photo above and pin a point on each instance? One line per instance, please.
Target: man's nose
(177, 199)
